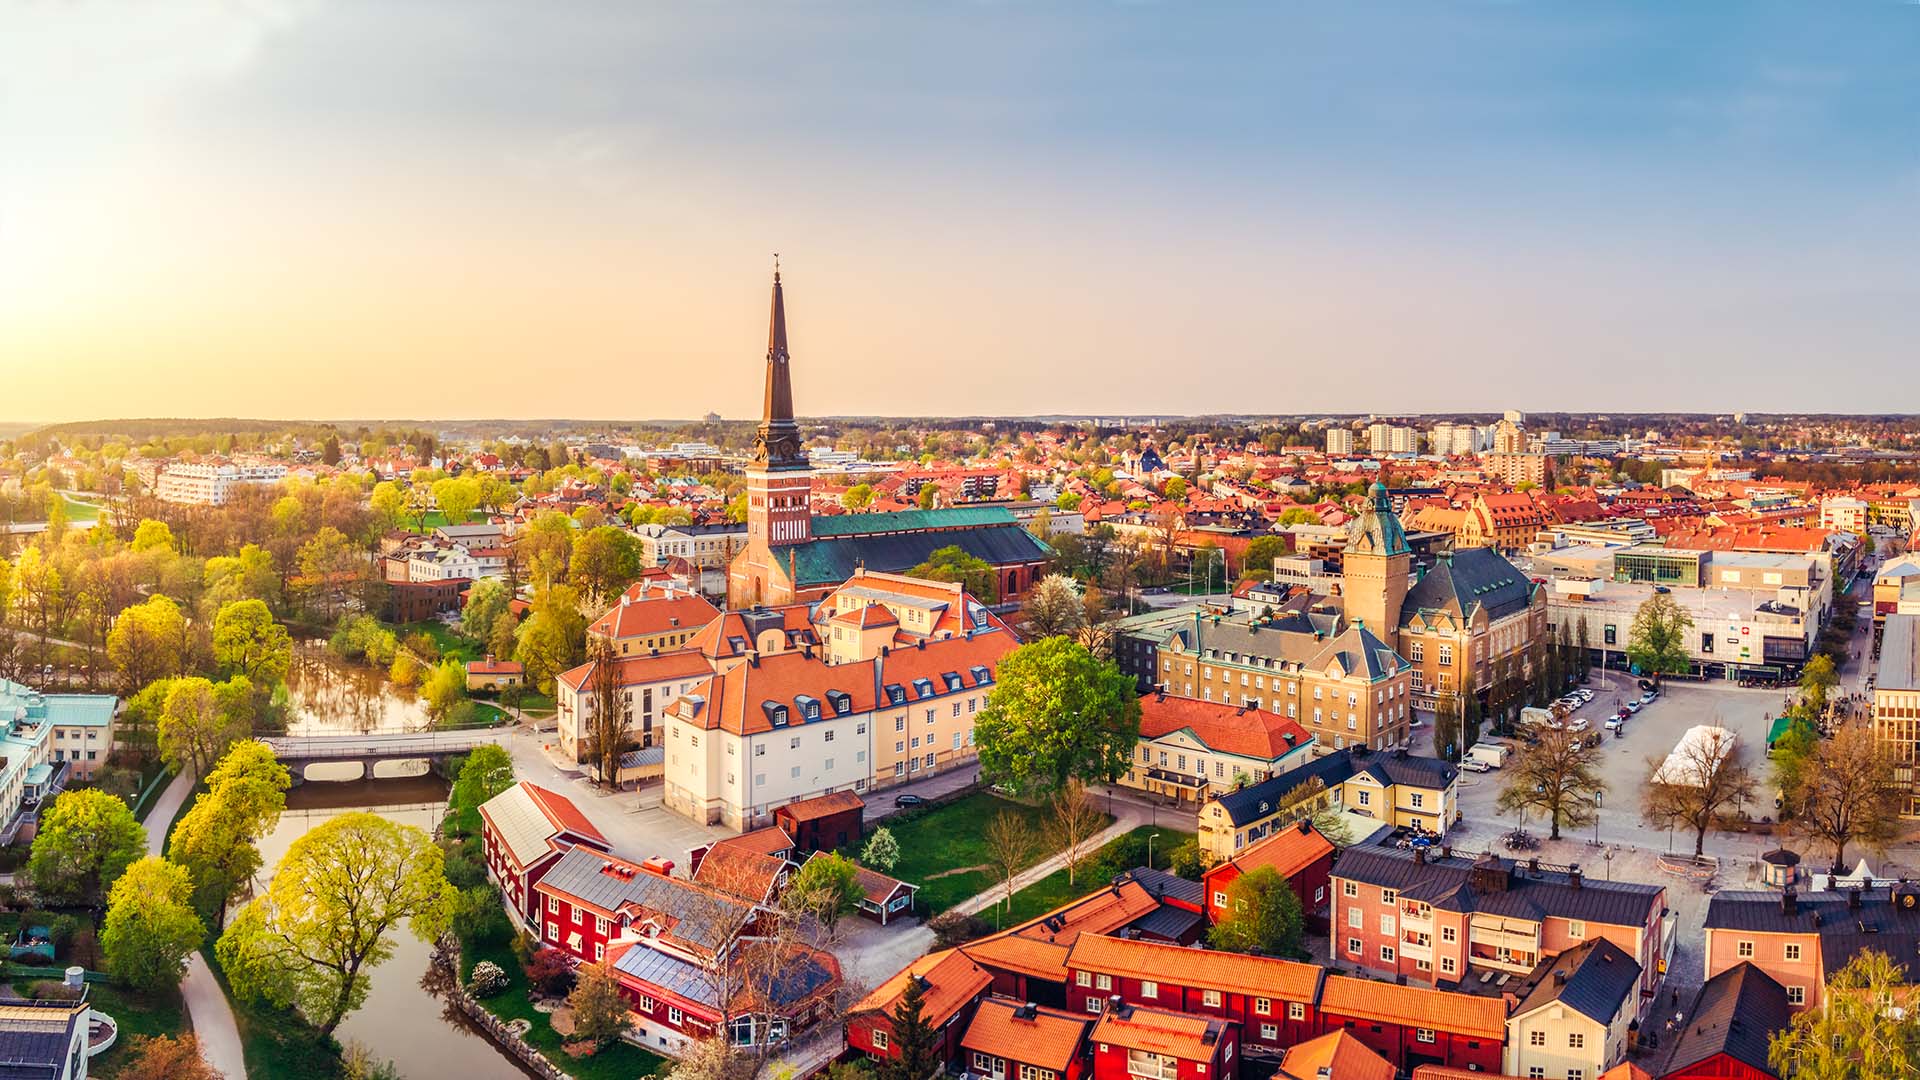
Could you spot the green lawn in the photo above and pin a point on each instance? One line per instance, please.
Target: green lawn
(1123, 853)
(619, 1061)
(138, 1015)
(450, 642)
(953, 837)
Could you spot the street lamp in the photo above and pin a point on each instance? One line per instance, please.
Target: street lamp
(1151, 837)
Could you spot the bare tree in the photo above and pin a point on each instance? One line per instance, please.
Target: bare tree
(1557, 777)
(1009, 847)
(1076, 822)
(1844, 793)
(609, 729)
(1053, 607)
(1695, 784)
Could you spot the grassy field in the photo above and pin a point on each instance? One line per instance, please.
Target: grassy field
(1123, 853)
(138, 1015)
(937, 843)
(450, 642)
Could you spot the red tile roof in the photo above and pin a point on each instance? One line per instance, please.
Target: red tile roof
(560, 810)
(1340, 1054)
(1026, 1035)
(952, 979)
(644, 609)
(821, 806)
(1227, 729)
(1288, 851)
(1181, 1035)
(1414, 1006)
(1206, 969)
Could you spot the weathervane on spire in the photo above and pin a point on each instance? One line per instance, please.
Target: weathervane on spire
(776, 266)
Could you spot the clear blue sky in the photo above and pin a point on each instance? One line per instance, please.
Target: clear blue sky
(568, 209)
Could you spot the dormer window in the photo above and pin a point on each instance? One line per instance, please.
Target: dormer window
(841, 701)
(809, 707)
(952, 679)
(981, 676)
(896, 694)
(923, 687)
(776, 713)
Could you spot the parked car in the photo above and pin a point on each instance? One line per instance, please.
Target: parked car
(1584, 695)
(1633, 706)
(1647, 698)
(1577, 725)
(1471, 765)
(1615, 723)
(908, 800)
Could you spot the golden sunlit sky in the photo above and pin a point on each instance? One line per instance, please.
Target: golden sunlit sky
(441, 209)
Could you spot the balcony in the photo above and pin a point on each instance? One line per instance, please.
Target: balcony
(1416, 913)
(1416, 945)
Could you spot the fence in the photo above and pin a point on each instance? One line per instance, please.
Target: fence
(141, 804)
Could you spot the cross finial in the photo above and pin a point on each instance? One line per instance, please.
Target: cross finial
(776, 266)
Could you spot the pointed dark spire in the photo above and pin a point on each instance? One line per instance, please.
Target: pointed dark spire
(778, 442)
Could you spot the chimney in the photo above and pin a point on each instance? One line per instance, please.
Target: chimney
(1573, 876)
(1789, 904)
(1305, 826)
(1853, 899)
(1559, 976)
(1419, 856)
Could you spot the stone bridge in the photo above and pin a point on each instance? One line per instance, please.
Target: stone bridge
(299, 751)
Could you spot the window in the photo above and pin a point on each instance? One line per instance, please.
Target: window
(1030, 1072)
(1093, 1004)
(1576, 1074)
(675, 1016)
(1796, 995)
(1348, 888)
(1576, 1041)
(1355, 919)
(1269, 1032)
(1149, 988)
(1386, 924)
(1386, 954)
(1744, 950)
(1793, 952)
(1083, 978)
(829, 736)
(1447, 965)
(1219, 899)
(1296, 1010)
(1353, 946)
(1448, 934)
(1389, 896)
(1263, 1006)
(1210, 998)
(1536, 1038)
(983, 1063)
(1152, 1066)
(645, 1005)
(899, 723)
(600, 926)
(553, 904)
(1416, 799)
(879, 1040)
(599, 952)
(1103, 982)
(1536, 1072)
(1424, 1035)
(1364, 798)
(553, 932)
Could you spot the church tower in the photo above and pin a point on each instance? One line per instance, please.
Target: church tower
(779, 481)
(1375, 566)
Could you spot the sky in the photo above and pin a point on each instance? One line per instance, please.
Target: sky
(469, 208)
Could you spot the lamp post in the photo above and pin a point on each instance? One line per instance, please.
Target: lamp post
(1151, 837)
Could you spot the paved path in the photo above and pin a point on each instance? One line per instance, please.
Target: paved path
(1128, 815)
(207, 1005)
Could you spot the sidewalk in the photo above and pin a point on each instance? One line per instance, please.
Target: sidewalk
(1127, 817)
(207, 1006)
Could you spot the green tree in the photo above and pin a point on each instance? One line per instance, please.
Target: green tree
(1657, 641)
(248, 575)
(246, 641)
(487, 601)
(1556, 779)
(201, 718)
(1262, 914)
(487, 772)
(1856, 1035)
(1843, 792)
(916, 1045)
(1057, 713)
(882, 850)
(929, 497)
(827, 887)
(858, 497)
(85, 842)
(599, 1010)
(554, 636)
(1817, 680)
(1261, 551)
(217, 839)
(444, 689)
(952, 563)
(1054, 607)
(456, 496)
(148, 641)
(151, 535)
(330, 568)
(389, 504)
(330, 913)
(151, 927)
(605, 561)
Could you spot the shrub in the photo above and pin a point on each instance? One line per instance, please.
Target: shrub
(64, 927)
(53, 990)
(954, 928)
(488, 979)
(549, 972)
(478, 916)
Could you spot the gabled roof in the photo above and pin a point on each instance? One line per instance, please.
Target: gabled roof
(1222, 728)
(528, 819)
(1735, 1014)
(1026, 1034)
(1499, 886)
(951, 980)
(1039, 946)
(822, 806)
(1181, 1035)
(1878, 923)
(1288, 851)
(1207, 969)
(1595, 979)
(832, 559)
(1334, 1056)
(737, 871)
(775, 690)
(1415, 1006)
(645, 609)
(639, 670)
(693, 914)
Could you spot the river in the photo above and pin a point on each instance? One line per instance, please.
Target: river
(404, 1019)
(331, 696)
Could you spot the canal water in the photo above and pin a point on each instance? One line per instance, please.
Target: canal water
(406, 1018)
(331, 696)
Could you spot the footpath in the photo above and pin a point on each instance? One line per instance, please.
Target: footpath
(207, 1005)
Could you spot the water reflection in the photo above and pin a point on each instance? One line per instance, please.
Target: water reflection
(330, 696)
(406, 1018)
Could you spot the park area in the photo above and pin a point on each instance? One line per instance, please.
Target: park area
(946, 851)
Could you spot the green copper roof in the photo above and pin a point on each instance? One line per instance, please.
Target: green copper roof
(904, 520)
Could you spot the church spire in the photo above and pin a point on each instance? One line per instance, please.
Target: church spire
(778, 442)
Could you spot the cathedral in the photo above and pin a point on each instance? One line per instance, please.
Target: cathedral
(793, 557)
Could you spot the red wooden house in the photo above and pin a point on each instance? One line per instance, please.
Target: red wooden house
(1029, 961)
(1336, 1054)
(1132, 1043)
(524, 830)
(1412, 1026)
(1299, 854)
(951, 983)
(1011, 1040)
(824, 822)
(1272, 1000)
(1728, 1028)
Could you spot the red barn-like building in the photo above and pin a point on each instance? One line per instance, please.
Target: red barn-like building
(1298, 853)
(1412, 1026)
(1131, 1043)
(524, 830)
(951, 984)
(824, 822)
(1272, 1000)
(1012, 1040)
(1728, 1028)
